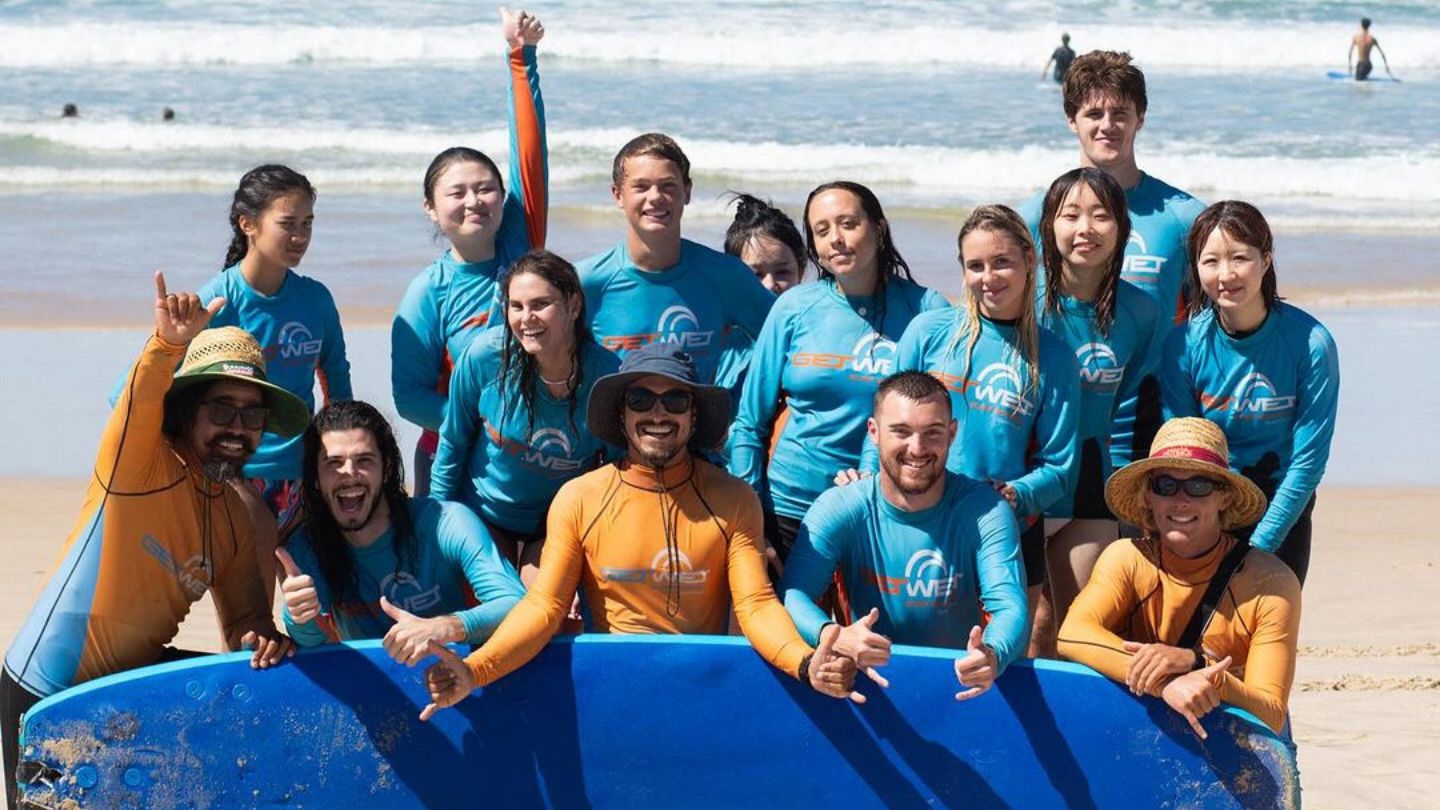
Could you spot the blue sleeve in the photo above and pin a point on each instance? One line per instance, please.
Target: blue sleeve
(933, 299)
(1053, 466)
(749, 302)
(1314, 427)
(1002, 588)
(1127, 397)
(334, 364)
(308, 634)
(465, 543)
(818, 551)
(1177, 380)
(461, 426)
(417, 351)
(759, 401)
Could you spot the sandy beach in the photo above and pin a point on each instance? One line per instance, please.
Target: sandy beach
(1366, 704)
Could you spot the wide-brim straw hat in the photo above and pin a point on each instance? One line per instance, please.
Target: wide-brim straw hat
(663, 359)
(1187, 443)
(231, 353)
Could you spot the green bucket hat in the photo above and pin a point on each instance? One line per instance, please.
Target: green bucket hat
(231, 353)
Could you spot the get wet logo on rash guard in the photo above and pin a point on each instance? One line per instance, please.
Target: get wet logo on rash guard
(678, 324)
(548, 448)
(1254, 397)
(872, 357)
(928, 582)
(658, 574)
(1141, 269)
(1100, 369)
(997, 389)
(296, 343)
(192, 575)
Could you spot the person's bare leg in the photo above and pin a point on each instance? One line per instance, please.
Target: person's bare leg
(1070, 556)
(267, 535)
(1042, 623)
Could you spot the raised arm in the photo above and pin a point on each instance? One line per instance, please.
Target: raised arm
(528, 201)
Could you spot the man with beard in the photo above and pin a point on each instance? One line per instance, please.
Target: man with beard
(160, 525)
(383, 563)
(922, 552)
(658, 542)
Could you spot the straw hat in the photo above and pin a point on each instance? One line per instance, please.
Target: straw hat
(231, 353)
(664, 359)
(1187, 443)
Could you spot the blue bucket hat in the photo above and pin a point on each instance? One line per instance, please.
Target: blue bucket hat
(662, 359)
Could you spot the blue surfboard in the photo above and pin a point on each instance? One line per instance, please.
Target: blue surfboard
(633, 721)
(1340, 75)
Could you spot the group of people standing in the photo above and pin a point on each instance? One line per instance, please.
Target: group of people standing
(670, 438)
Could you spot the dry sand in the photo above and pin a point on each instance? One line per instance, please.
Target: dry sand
(1366, 705)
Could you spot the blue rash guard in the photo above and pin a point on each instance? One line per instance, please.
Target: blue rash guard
(453, 551)
(821, 355)
(452, 301)
(693, 303)
(1110, 369)
(930, 573)
(1274, 392)
(1157, 260)
(1008, 429)
(299, 329)
(492, 459)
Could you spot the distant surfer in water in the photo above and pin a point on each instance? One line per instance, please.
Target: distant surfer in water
(659, 542)
(1360, 46)
(1186, 612)
(368, 561)
(1061, 58)
(70, 111)
(161, 525)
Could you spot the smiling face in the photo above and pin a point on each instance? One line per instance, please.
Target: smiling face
(467, 204)
(914, 438)
(1231, 273)
(540, 316)
(996, 270)
(1086, 232)
(846, 240)
(656, 437)
(1186, 525)
(653, 194)
(351, 478)
(1106, 128)
(223, 449)
(775, 264)
(280, 237)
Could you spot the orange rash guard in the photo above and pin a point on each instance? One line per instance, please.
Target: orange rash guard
(606, 533)
(153, 537)
(1140, 593)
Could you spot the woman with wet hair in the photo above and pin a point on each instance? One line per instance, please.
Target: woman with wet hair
(487, 226)
(822, 352)
(1265, 371)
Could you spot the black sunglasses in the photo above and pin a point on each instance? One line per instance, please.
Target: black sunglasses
(1198, 487)
(223, 415)
(676, 400)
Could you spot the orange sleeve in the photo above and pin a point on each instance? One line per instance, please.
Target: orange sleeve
(133, 442)
(1274, 611)
(529, 140)
(763, 619)
(1104, 605)
(536, 619)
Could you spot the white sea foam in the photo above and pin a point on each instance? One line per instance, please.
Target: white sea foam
(699, 41)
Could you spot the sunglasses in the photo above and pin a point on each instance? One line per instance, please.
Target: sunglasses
(676, 400)
(223, 415)
(1199, 487)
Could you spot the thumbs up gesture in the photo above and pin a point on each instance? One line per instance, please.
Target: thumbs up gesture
(448, 680)
(978, 668)
(179, 317)
(1195, 694)
(830, 673)
(408, 640)
(297, 589)
(869, 649)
